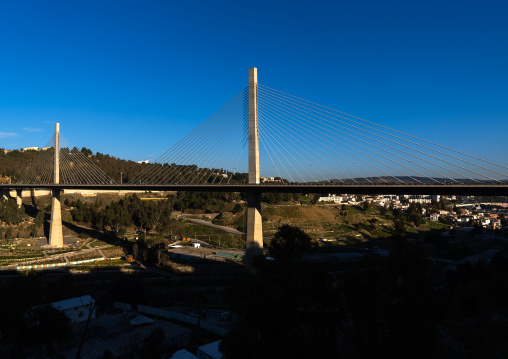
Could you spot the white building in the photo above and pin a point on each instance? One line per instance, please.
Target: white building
(331, 198)
(77, 309)
(419, 200)
(30, 149)
(434, 217)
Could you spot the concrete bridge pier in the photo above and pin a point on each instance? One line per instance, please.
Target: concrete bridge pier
(19, 197)
(254, 242)
(55, 228)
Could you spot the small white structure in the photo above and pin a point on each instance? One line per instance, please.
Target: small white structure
(77, 309)
(331, 198)
(209, 351)
(30, 149)
(196, 245)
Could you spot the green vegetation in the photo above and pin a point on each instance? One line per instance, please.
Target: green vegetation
(10, 213)
(289, 242)
(402, 307)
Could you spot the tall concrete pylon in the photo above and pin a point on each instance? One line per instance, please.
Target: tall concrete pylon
(254, 242)
(55, 228)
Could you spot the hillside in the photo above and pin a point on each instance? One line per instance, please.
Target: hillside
(15, 163)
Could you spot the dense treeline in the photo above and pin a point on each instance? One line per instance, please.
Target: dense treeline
(131, 210)
(150, 215)
(10, 213)
(15, 163)
(274, 198)
(206, 201)
(402, 306)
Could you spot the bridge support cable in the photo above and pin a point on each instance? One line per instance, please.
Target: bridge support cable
(363, 121)
(40, 170)
(243, 140)
(206, 152)
(300, 134)
(270, 138)
(268, 145)
(80, 169)
(305, 137)
(77, 168)
(269, 156)
(312, 129)
(227, 162)
(289, 134)
(180, 154)
(343, 129)
(240, 152)
(185, 142)
(299, 151)
(362, 127)
(333, 136)
(74, 167)
(219, 151)
(306, 131)
(184, 159)
(184, 152)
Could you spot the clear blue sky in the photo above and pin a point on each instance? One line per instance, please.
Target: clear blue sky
(131, 78)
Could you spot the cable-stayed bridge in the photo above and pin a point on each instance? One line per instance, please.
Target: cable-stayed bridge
(265, 140)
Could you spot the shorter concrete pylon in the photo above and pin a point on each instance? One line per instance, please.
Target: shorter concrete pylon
(19, 197)
(55, 228)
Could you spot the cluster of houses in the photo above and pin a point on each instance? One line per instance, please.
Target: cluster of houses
(470, 214)
(270, 179)
(396, 201)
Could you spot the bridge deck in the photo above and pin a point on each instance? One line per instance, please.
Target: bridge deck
(442, 189)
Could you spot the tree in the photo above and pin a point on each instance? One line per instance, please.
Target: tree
(399, 227)
(289, 242)
(135, 251)
(237, 208)
(33, 230)
(39, 219)
(283, 310)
